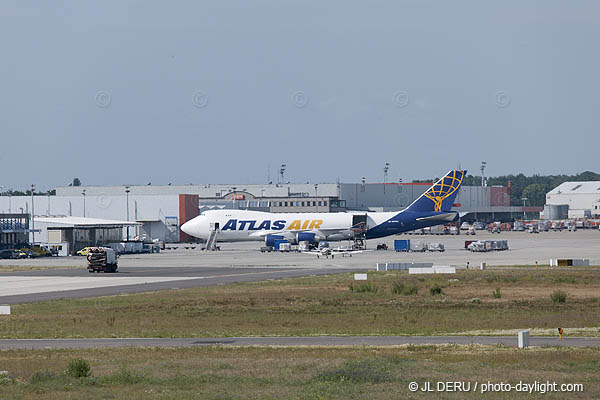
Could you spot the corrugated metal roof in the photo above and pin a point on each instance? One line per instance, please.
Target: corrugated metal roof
(82, 222)
(590, 187)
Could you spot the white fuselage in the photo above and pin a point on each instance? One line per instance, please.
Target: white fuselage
(244, 225)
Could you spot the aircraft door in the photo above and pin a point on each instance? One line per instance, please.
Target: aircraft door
(359, 224)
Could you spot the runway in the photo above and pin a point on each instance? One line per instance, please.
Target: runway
(30, 286)
(178, 268)
(314, 341)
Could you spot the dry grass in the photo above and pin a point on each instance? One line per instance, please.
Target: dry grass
(326, 305)
(294, 373)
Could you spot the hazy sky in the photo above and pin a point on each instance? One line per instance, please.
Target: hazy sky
(118, 92)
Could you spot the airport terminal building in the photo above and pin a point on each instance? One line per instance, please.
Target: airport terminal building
(161, 210)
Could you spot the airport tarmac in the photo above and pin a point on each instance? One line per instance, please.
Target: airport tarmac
(290, 341)
(243, 262)
(30, 286)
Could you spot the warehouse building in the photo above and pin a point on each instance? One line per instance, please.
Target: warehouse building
(14, 230)
(573, 200)
(70, 234)
(161, 210)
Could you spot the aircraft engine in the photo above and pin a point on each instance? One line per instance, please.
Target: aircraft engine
(270, 239)
(309, 237)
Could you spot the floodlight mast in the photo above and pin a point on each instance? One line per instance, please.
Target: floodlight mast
(482, 168)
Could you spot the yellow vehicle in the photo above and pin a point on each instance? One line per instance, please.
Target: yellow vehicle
(20, 254)
(84, 251)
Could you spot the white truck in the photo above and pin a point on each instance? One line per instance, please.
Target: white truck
(102, 259)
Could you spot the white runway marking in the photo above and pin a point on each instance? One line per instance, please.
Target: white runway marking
(17, 285)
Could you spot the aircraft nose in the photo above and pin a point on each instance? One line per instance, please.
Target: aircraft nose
(187, 227)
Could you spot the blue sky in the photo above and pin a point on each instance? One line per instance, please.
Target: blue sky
(141, 91)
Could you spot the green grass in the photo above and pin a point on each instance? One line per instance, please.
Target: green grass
(290, 373)
(400, 288)
(558, 296)
(435, 290)
(325, 305)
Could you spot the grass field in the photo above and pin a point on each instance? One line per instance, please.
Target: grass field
(294, 373)
(392, 303)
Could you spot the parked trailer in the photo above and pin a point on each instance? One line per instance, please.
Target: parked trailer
(436, 247)
(487, 245)
(468, 242)
(277, 244)
(402, 245)
(419, 247)
(285, 247)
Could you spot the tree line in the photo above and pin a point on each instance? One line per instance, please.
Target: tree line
(534, 187)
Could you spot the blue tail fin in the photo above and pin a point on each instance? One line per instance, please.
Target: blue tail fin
(440, 197)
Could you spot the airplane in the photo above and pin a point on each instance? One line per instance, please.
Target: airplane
(432, 208)
(326, 252)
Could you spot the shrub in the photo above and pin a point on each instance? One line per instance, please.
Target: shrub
(332, 302)
(496, 293)
(476, 301)
(4, 378)
(42, 376)
(411, 290)
(79, 368)
(364, 371)
(435, 289)
(124, 376)
(558, 296)
(364, 288)
(399, 288)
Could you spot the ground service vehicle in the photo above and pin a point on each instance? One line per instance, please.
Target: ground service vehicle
(84, 251)
(7, 254)
(102, 259)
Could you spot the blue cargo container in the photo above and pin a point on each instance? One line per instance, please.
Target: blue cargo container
(276, 243)
(402, 245)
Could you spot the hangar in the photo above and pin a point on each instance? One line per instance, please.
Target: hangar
(578, 199)
(70, 234)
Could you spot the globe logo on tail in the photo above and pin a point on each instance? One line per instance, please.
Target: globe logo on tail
(444, 188)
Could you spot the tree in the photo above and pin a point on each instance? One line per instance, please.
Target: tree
(76, 182)
(536, 193)
(533, 187)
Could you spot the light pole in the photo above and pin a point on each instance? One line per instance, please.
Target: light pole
(282, 171)
(524, 200)
(386, 169)
(32, 217)
(316, 197)
(482, 168)
(127, 196)
(83, 194)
